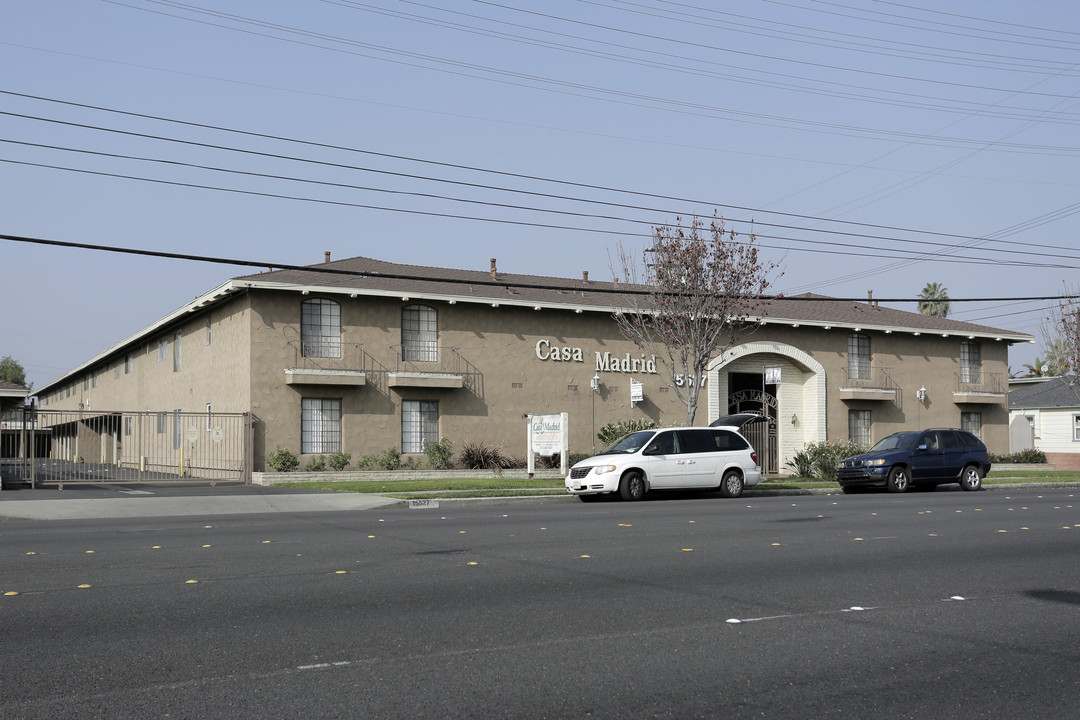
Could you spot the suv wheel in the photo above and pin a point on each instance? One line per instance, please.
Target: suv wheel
(899, 480)
(970, 478)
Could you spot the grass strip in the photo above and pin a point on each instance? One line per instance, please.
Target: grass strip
(499, 487)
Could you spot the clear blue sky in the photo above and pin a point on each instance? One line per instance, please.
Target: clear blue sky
(954, 123)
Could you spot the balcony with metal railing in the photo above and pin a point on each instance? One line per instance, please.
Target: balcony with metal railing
(975, 386)
(327, 361)
(867, 381)
(431, 366)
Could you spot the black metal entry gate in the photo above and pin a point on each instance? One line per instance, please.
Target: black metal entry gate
(53, 447)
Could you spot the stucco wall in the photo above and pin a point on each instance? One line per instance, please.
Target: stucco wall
(255, 335)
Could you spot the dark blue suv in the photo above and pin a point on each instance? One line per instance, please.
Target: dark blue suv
(919, 458)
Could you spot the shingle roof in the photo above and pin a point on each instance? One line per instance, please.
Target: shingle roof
(1056, 392)
(369, 275)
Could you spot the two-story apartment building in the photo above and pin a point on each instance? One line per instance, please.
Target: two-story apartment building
(361, 355)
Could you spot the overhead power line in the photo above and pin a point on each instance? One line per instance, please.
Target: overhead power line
(592, 287)
(471, 168)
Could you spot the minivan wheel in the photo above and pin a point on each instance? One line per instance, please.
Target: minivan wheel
(970, 479)
(632, 486)
(899, 480)
(732, 484)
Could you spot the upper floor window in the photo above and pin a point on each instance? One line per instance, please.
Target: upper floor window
(419, 333)
(129, 364)
(207, 331)
(163, 349)
(176, 358)
(970, 362)
(858, 364)
(320, 328)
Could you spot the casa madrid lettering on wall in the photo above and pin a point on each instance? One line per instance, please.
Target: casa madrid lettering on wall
(605, 361)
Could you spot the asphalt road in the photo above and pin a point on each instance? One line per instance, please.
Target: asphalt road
(928, 605)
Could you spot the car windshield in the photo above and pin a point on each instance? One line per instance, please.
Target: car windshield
(629, 443)
(895, 442)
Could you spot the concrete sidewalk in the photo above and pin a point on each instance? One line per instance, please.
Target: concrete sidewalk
(193, 505)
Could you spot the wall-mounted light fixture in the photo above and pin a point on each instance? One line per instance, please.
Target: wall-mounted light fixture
(794, 419)
(595, 382)
(921, 394)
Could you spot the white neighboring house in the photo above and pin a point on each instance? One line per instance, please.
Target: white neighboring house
(1045, 414)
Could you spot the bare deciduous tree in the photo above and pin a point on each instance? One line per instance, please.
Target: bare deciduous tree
(702, 294)
(1062, 335)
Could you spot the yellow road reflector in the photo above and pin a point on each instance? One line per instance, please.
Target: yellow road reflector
(89, 552)
(84, 586)
(688, 549)
(10, 593)
(190, 582)
(472, 562)
(586, 556)
(340, 572)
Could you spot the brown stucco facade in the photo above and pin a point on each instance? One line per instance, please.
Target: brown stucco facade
(504, 347)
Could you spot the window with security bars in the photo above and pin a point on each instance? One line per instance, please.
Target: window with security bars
(972, 422)
(419, 424)
(320, 426)
(858, 348)
(970, 362)
(320, 328)
(419, 333)
(859, 426)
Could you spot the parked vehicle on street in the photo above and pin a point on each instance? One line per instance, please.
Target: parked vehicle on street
(669, 458)
(921, 458)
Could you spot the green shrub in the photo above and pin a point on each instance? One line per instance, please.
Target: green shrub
(440, 454)
(482, 456)
(613, 431)
(367, 462)
(283, 460)
(818, 460)
(390, 459)
(1031, 455)
(316, 464)
(339, 460)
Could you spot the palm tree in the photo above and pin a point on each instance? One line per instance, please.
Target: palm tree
(934, 300)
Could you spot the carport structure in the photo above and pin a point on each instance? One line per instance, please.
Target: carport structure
(126, 447)
(12, 400)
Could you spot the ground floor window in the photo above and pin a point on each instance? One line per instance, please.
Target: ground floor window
(859, 426)
(320, 426)
(1076, 427)
(972, 422)
(419, 423)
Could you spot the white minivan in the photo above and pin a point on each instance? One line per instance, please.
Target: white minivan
(670, 458)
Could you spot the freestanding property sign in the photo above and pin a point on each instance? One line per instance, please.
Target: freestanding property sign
(548, 435)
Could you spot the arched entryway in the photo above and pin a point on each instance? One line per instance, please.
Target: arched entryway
(793, 398)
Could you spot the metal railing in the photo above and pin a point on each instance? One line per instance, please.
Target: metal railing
(54, 447)
(974, 380)
(870, 376)
(441, 360)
